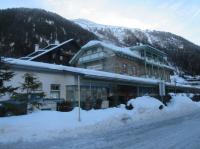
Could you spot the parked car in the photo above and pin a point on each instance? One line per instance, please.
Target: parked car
(12, 107)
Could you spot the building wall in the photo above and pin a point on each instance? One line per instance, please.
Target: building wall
(46, 78)
(134, 67)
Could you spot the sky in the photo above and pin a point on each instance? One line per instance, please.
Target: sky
(181, 17)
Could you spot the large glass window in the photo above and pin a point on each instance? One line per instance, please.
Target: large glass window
(88, 93)
(55, 91)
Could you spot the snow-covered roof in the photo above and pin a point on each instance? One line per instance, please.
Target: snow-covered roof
(81, 71)
(43, 51)
(124, 50)
(86, 72)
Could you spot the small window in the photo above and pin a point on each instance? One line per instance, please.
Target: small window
(133, 70)
(142, 53)
(124, 68)
(55, 87)
(61, 58)
(55, 91)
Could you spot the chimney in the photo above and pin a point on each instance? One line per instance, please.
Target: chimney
(36, 47)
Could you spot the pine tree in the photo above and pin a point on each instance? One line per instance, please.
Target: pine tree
(31, 84)
(5, 76)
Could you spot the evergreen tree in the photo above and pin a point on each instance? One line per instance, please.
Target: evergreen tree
(31, 84)
(5, 76)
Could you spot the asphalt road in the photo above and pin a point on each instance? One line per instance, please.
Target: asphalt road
(176, 133)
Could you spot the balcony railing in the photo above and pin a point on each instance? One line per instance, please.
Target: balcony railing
(92, 57)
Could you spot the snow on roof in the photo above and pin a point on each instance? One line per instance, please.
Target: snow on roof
(124, 50)
(82, 71)
(114, 48)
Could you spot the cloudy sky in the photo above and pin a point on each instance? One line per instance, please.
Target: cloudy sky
(181, 17)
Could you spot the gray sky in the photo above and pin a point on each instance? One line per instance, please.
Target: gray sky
(181, 17)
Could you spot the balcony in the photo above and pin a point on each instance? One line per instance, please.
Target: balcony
(92, 57)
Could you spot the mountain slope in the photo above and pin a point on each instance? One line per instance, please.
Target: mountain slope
(21, 28)
(181, 52)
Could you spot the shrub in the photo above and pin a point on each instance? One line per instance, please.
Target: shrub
(129, 107)
(2, 110)
(97, 104)
(86, 105)
(65, 106)
(196, 98)
(113, 101)
(15, 107)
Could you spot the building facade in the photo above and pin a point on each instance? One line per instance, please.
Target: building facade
(142, 61)
(61, 82)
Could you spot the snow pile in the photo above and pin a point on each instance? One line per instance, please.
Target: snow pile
(182, 103)
(145, 104)
(49, 124)
(43, 125)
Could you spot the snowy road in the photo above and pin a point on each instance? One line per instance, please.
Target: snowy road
(181, 132)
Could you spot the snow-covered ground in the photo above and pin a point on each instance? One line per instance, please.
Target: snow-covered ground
(47, 125)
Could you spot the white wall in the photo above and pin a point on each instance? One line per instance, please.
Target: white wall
(46, 78)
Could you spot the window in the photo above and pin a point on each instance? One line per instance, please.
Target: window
(95, 67)
(99, 50)
(54, 56)
(89, 52)
(55, 91)
(124, 68)
(142, 53)
(61, 58)
(133, 70)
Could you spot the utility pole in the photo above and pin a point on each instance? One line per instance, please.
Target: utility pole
(79, 99)
(145, 64)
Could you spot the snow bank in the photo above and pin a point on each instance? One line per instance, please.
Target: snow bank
(44, 125)
(182, 103)
(48, 124)
(145, 104)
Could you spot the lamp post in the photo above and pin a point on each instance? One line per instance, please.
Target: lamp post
(79, 99)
